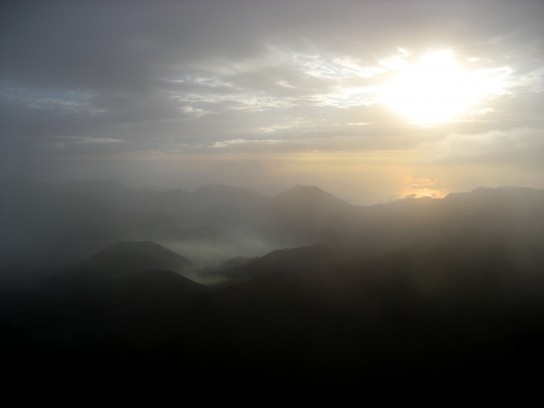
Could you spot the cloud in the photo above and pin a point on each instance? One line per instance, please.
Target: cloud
(522, 147)
(100, 79)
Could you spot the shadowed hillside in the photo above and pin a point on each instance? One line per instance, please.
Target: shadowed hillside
(417, 294)
(125, 258)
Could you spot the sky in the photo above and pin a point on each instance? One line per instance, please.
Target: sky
(370, 100)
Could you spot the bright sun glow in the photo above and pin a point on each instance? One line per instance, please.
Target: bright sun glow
(438, 89)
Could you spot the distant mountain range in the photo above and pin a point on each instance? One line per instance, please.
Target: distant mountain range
(417, 294)
(51, 226)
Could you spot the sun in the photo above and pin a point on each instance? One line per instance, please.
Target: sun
(437, 89)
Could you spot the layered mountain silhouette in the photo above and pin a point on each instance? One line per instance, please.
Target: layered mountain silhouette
(126, 258)
(418, 294)
(130, 294)
(308, 214)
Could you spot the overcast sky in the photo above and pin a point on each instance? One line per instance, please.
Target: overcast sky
(265, 95)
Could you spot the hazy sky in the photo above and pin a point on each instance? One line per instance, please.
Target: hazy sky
(368, 99)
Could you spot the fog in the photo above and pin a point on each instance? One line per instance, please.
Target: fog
(49, 226)
(231, 280)
(273, 200)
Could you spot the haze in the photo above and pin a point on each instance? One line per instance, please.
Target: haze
(273, 199)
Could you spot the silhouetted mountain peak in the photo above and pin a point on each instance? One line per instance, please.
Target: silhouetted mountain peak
(309, 214)
(306, 189)
(311, 195)
(125, 258)
(131, 246)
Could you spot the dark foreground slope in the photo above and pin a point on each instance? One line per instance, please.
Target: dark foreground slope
(453, 313)
(436, 317)
(426, 321)
(120, 299)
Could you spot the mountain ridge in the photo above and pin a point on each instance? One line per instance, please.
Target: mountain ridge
(45, 225)
(126, 258)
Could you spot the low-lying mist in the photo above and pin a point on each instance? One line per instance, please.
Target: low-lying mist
(211, 254)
